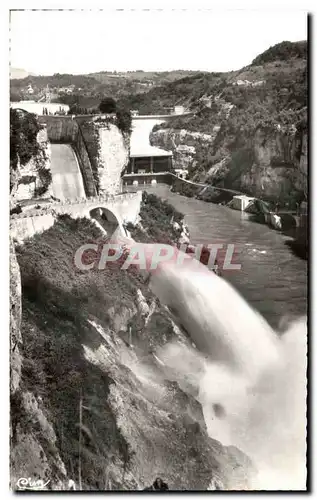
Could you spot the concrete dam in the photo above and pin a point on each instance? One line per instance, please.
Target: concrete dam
(66, 175)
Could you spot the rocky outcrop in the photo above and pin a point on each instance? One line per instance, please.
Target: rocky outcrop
(34, 179)
(34, 449)
(34, 452)
(108, 150)
(183, 143)
(279, 165)
(15, 322)
(269, 163)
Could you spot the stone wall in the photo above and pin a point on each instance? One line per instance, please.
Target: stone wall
(84, 164)
(26, 227)
(125, 207)
(60, 128)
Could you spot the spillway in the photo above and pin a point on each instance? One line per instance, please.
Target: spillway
(67, 178)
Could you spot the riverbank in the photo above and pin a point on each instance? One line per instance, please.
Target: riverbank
(290, 223)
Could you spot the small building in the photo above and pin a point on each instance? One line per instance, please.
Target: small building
(241, 202)
(148, 165)
(179, 110)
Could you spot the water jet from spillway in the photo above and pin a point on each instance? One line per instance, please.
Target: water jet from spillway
(250, 382)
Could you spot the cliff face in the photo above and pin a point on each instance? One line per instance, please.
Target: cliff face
(108, 149)
(183, 143)
(33, 440)
(113, 158)
(34, 179)
(279, 166)
(271, 163)
(15, 321)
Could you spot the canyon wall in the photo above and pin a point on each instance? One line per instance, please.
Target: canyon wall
(269, 163)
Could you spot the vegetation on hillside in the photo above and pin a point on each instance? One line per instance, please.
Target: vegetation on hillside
(156, 217)
(281, 52)
(58, 299)
(87, 90)
(24, 129)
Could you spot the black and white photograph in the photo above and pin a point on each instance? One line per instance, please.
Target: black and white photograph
(158, 249)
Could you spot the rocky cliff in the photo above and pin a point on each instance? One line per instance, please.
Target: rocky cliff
(271, 164)
(33, 440)
(33, 179)
(108, 149)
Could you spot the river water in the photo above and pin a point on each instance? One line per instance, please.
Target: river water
(271, 279)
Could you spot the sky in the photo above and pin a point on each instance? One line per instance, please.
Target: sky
(47, 42)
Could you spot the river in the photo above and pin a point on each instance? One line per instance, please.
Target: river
(272, 279)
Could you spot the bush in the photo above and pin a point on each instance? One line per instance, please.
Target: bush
(124, 120)
(108, 105)
(156, 216)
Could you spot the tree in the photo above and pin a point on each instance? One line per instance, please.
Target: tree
(24, 128)
(124, 120)
(108, 105)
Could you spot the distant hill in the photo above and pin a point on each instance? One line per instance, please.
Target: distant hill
(89, 89)
(18, 74)
(281, 69)
(281, 52)
(154, 77)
